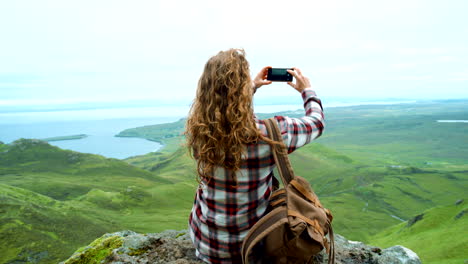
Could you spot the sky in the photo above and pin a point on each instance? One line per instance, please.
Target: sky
(59, 52)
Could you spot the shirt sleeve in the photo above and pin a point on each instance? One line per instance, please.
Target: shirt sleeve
(297, 132)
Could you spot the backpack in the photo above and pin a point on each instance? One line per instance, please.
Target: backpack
(295, 224)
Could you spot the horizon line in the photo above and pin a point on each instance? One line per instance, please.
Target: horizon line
(273, 100)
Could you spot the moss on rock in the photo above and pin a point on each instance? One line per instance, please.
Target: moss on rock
(139, 251)
(97, 251)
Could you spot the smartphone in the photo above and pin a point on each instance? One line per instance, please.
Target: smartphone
(279, 75)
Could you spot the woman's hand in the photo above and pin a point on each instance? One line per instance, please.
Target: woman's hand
(302, 82)
(260, 79)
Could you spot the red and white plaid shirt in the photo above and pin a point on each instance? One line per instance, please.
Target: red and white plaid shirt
(224, 210)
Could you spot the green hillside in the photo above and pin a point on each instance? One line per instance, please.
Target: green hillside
(53, 201)
(367, 198)
(37, 228)
(375, 167)
(63, 174)
(383, 195)
(439, 236)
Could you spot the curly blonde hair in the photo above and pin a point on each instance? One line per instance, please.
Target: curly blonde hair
(221, 120)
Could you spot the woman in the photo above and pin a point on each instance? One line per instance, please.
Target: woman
(232, 149)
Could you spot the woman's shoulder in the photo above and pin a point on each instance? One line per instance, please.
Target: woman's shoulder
(262, 127)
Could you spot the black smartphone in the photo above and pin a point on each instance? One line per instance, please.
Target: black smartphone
(279, 75)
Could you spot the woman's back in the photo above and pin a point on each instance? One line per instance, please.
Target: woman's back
(231, 199)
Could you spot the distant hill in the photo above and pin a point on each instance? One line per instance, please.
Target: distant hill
(169, 134)
(406, 133)
(400, 134)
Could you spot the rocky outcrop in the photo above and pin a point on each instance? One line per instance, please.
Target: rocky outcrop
(415, 219)
(24, 143)
(176, 247)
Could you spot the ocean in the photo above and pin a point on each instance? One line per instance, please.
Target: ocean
(101, 126)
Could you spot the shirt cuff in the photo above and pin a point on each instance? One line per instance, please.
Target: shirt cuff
(308, 92)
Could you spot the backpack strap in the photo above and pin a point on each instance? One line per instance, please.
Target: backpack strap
(280, 152)
(331, 254)
(286, 172)
(263, 227)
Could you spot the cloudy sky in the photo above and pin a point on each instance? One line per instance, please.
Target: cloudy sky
(64, 51)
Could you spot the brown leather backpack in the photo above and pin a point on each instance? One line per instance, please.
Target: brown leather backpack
(295, 226)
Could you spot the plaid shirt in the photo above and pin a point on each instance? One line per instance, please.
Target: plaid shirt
(225, 210)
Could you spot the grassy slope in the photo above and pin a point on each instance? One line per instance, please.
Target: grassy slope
(175, 199)
(35, 226)
(374, 195)
(439, 237)
(68, 199)
(352, 174)
(34, 165)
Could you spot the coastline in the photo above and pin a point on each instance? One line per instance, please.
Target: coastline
(165, 131)
(28, 114)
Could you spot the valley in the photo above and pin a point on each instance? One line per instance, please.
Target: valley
(375, 167)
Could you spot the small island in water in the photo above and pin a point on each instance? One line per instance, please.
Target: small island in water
(60, 138)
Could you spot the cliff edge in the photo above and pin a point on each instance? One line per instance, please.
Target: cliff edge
(176, 247)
